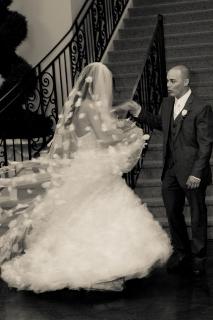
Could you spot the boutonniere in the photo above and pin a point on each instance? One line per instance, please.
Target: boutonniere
(184, 113)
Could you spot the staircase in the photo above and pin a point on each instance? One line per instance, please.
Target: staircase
(188, 26)
(188, 29)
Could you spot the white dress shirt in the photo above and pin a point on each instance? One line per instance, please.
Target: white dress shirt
(180, 103)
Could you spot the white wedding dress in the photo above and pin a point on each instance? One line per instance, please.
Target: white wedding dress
(89, 231)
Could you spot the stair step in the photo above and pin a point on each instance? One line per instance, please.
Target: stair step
(170, 17)
(157, 209)
(168, 7)
(156, 206)
(122, 79)
(147, 188)
(152, 188)
(141, 31)
(125, 93)
(138, 3)
(156, 138)
(159, 163)
(124, 55)
(154, 152)
(169, 28)
(153, 168)
(160, 214)
(164, 223)
(158, 201)
(207, 99)
(201, 75)
(204, 90)
(132, 22)
(154, 146)
(126, 67)
(196, 84)
(192, 62)
(139, 43)
(187, 50)
(188, 37)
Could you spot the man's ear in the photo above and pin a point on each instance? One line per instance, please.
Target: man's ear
(186, 82)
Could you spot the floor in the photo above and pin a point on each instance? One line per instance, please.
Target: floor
(158, 297)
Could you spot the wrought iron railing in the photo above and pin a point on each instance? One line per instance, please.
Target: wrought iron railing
(151, 87)
(85, 42)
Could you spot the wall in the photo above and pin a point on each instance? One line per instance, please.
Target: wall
(48, 21)
(76, 5)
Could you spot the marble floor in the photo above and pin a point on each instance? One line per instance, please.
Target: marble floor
(158, 297)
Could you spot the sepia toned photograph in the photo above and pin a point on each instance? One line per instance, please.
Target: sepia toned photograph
(106, 134)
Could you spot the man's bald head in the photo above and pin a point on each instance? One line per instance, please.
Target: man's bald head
(183, 70)
(178, 81)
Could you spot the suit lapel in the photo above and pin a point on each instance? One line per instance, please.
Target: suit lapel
(180, 118)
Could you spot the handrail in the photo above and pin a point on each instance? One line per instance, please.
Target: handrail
(151, 87)
(162, 52)
(18, 90)
(10, 91)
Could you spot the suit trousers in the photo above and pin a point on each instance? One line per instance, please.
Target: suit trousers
(174, 196)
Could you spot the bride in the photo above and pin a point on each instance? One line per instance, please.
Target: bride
(89, 230)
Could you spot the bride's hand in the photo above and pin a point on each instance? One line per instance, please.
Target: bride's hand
(132, 107)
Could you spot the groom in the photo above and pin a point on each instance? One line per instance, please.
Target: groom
(187, 125)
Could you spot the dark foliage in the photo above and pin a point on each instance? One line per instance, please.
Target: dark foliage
(16, 122)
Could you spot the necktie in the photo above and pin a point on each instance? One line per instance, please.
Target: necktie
(177, 109)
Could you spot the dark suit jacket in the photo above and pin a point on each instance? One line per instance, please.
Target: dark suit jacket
(193, 139)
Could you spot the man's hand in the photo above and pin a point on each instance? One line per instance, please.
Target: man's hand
(134, 108)
(129, 106)
(192, 182)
